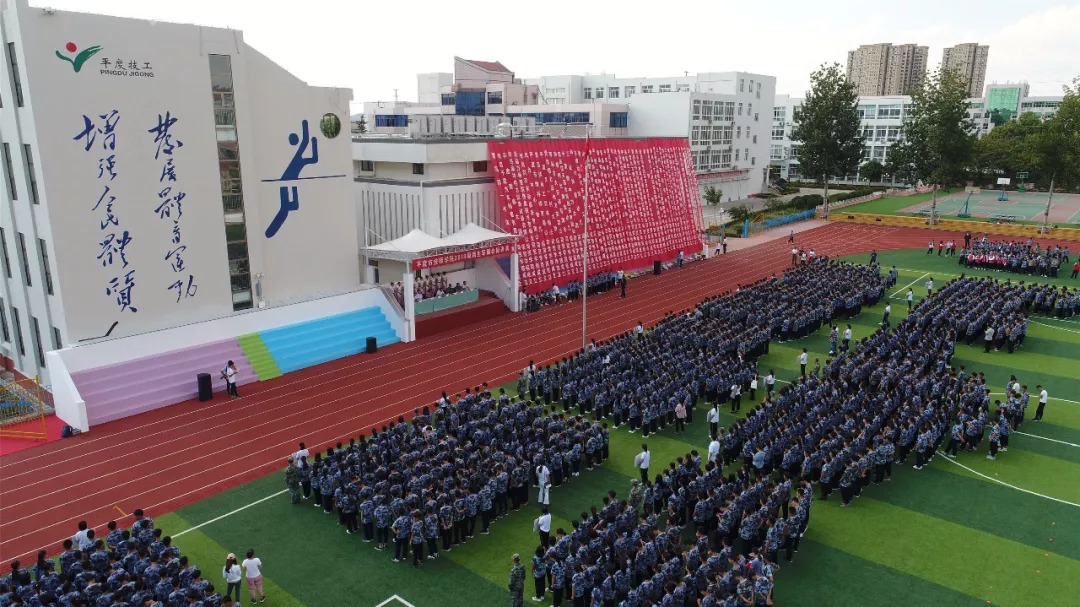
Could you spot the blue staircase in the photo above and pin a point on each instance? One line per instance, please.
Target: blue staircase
(318, 341)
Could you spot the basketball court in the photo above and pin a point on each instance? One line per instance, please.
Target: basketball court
(1019, 206)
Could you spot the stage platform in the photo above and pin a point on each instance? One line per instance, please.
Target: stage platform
(486, 307)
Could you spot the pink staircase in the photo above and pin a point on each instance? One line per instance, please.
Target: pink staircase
(128, 388)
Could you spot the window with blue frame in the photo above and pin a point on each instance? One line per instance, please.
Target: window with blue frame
(391, 120)
(494, 98)
(617, 120)
(469, 103)
(557, 117)
(448, 99)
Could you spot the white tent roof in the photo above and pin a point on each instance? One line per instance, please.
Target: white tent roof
(416, 241)
(473, 234)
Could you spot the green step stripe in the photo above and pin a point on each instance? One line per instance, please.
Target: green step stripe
(966, 560)
(259, 356)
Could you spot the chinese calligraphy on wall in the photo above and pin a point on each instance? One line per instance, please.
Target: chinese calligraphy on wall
(170, 204)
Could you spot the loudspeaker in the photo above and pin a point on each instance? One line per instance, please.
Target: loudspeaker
(206, 388)
(656, 267)
(371, 345)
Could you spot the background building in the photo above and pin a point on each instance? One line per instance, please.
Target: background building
(969, 60)
(159, 175)
(887, 69)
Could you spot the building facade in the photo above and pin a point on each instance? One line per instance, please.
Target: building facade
(159, 175)
(969, 60)
(887, 69)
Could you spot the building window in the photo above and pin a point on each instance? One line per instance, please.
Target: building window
(696, 112)
(618, 120)
(3, 320)
(738, 132)
(494, 97)
(45, 271)
(665, 88)
(57, 342)
(12, 190)
(447, 99)
(753, 161)
(740, 109)
(29, 155)
(613, 92)
(367, 166)
(391, 120)
(16, 81)
(18, 330)
(418, 168)
(736, 154)
(24, 260)
(479, 166)
(628, 90)
(599, 92)
(38, 347)
(556, 117)
(646, 88)
(742, 85)
(588, 92)
(755, 116)
(4, 253)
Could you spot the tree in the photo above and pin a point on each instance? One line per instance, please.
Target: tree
(360, 126)
(828, 127)
(1056, 145)
(872, 170)
(713, 195)
(1010, 148)
(938, 140)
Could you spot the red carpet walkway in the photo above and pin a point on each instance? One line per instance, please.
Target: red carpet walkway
(165, 459)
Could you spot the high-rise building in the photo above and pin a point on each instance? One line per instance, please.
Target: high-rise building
(887, 69)
(969, 59)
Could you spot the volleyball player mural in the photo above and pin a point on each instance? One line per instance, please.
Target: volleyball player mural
(289, 194)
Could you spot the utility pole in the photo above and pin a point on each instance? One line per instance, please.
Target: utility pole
(1046, 215)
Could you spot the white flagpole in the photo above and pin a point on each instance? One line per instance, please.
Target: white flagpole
(585, 251)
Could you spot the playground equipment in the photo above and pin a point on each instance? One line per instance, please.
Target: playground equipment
(1003, 181)
(1022, 177)
(966, 211)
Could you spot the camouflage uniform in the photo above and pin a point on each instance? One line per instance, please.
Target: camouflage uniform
(292, 482)
(517, 584)
(636, 494)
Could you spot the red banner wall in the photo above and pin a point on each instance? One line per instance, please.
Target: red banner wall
(643, 204)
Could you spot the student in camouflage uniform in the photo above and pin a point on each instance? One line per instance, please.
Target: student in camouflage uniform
(636, 494)
(292, 481)
(517, 582)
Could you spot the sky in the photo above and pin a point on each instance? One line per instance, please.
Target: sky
(376, 49)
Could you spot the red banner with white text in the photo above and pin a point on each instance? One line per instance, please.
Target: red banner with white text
(643, 204)
(434, 261)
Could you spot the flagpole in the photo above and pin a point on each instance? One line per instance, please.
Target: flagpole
(585, 251)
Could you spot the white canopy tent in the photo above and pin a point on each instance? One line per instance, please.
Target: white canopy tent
(418, 244)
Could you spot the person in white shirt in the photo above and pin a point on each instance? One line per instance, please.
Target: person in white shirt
(641, 460)
(930, 287)
(542, 524)
(640, 329)
(794, 256)
(302, 452)
(1043, 396)
(253, 572)
(802, 362)
(230, 372)
(847, 337)
(82, 539)
(910, 297)
(714, 449)
(232, 574)
(713, 417)
(770, 383)
(736, 398)
(885, 317)
(543, 475)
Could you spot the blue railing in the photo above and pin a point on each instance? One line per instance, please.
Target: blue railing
(774, 222)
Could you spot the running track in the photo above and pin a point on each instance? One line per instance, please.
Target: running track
(165, 459)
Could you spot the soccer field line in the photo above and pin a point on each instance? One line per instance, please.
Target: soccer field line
(228, 514)
(1055, 326)
(1053, 440)
(1075, 402)
(1004, 484)
(395, 598)
(910, 284)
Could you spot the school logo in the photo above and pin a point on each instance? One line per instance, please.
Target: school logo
(77, 60)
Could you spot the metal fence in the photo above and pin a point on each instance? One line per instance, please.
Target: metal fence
(775, 222)
(23, 410)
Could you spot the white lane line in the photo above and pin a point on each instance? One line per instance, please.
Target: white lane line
(1055, 327)
(910, 284)
(1004, 484)
(1053, 440)
(395, 598)
(1075, 402)
(228, 514)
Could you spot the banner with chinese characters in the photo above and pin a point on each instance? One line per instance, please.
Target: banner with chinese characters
(434, 261)
(643, 204)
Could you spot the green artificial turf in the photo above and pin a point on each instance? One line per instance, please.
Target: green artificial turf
(944, 535)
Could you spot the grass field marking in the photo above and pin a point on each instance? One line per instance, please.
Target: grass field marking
(1075, 402)
(1054, 326)
(1004, 484)
(228, 514)
(1053, 440)
(910, 271)
(910, 284)
(395, 598)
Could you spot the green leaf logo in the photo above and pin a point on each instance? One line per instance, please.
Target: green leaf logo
(80, 59)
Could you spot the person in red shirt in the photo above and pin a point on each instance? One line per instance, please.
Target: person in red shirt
(1076, 268)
